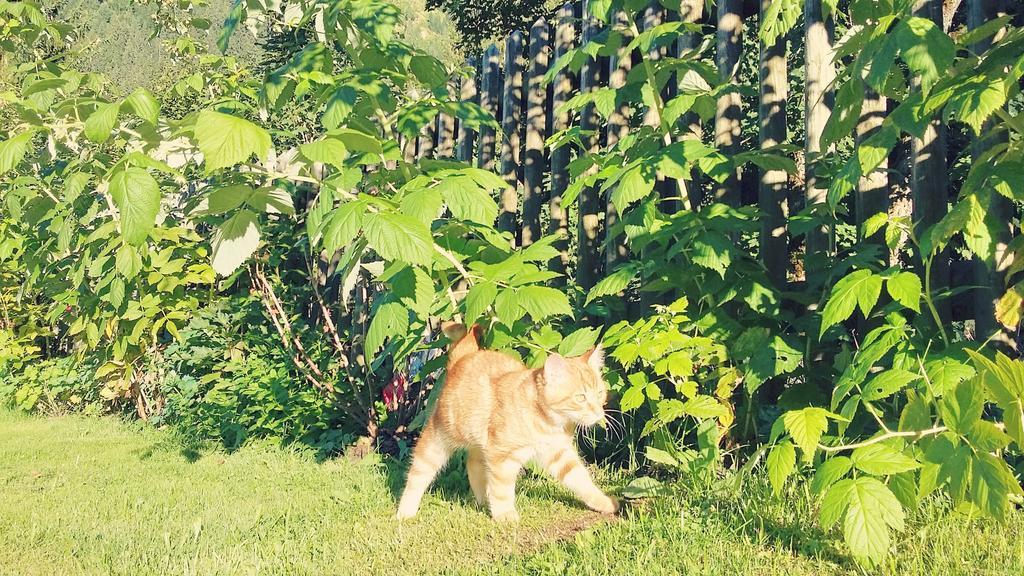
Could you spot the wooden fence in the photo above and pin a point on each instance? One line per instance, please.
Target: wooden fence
(511, 87)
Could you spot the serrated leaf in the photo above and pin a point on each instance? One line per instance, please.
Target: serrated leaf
(703, 406)
(330, 151)
(399, 237)
(613, 283)
(887, 383)
(342, 226)
(905, 288)
(881, 459)
(962, 409)
(578, 342)
(927, 51)
(829, 472)
(390, 320)
(643, 487)
(781, 463)
(806, 427)
(712, 250)
(100, 124)
(13, 150)
(542, 302)
(144, 105)
(872, 513)
(478, 299)
(945, 374)
(227, 140)
(858, 288)
(635, 184)
(137, 197)
(835, 503)
(228, 198)
(235, 240)
(632, 398)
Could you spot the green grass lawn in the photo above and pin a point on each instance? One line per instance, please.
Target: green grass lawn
(96, 496)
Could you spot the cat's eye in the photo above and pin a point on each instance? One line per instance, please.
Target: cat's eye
(580, 397)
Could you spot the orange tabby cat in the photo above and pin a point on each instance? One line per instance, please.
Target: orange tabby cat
(506, 414)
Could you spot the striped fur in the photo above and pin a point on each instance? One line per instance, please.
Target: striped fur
(506, 414)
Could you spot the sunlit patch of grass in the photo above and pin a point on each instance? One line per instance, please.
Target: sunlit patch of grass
(99, 496)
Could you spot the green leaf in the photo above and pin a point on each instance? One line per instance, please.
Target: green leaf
(632, 398)
(987, 437)
(389, 321)
(905, 288)
(992, 482)
(428, 70)
(228, 198)
(478, 299)
(468, 200)
(343, 225)
(399, 237)
(781, 463)
(235, 240)
(888, 383)
(339, 106)
(643, 487)
(636, 183)
(226, 140)
(703, 406)
(13, 150)
(881, 459)
(806, 427)
(613, 283)
(660, 456)
(872, 513)
(961, 410)
(945, 374)
(860, 287)
(144, 104)
(829, 472)
(100, 124)
(331, 151)
(137, 196)
(541, 302)
(927, 51)
(578, 342)
(423, 205)
(835, 503)
(712, 250)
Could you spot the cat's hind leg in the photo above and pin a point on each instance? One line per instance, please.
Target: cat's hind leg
(477, 472)
(430, 455)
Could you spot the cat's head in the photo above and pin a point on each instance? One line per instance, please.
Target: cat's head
(574, 388)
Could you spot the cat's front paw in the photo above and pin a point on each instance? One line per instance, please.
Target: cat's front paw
(406, 512)
(605, 505)
(509, 516)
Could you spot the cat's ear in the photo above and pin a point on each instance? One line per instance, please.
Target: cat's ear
(556, 368)
(595, 357)
(453, 330)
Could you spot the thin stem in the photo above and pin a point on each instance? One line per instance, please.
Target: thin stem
(915, 434)
(928, 299)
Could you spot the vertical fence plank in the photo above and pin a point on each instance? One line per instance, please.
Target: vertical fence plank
(588, 265)
(426, 145)
(990, 274)
(728, 111)
(490, 97)
(446, 131)
(773, 190)
(818, 101)
(691, 11)
(536, 125)
(655, 15)
(872, 189)
(619, 66)
(511, 127)
(930, 180)
(468, 92)
(561, 91)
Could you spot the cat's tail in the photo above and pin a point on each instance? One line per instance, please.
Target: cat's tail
(464, 341)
